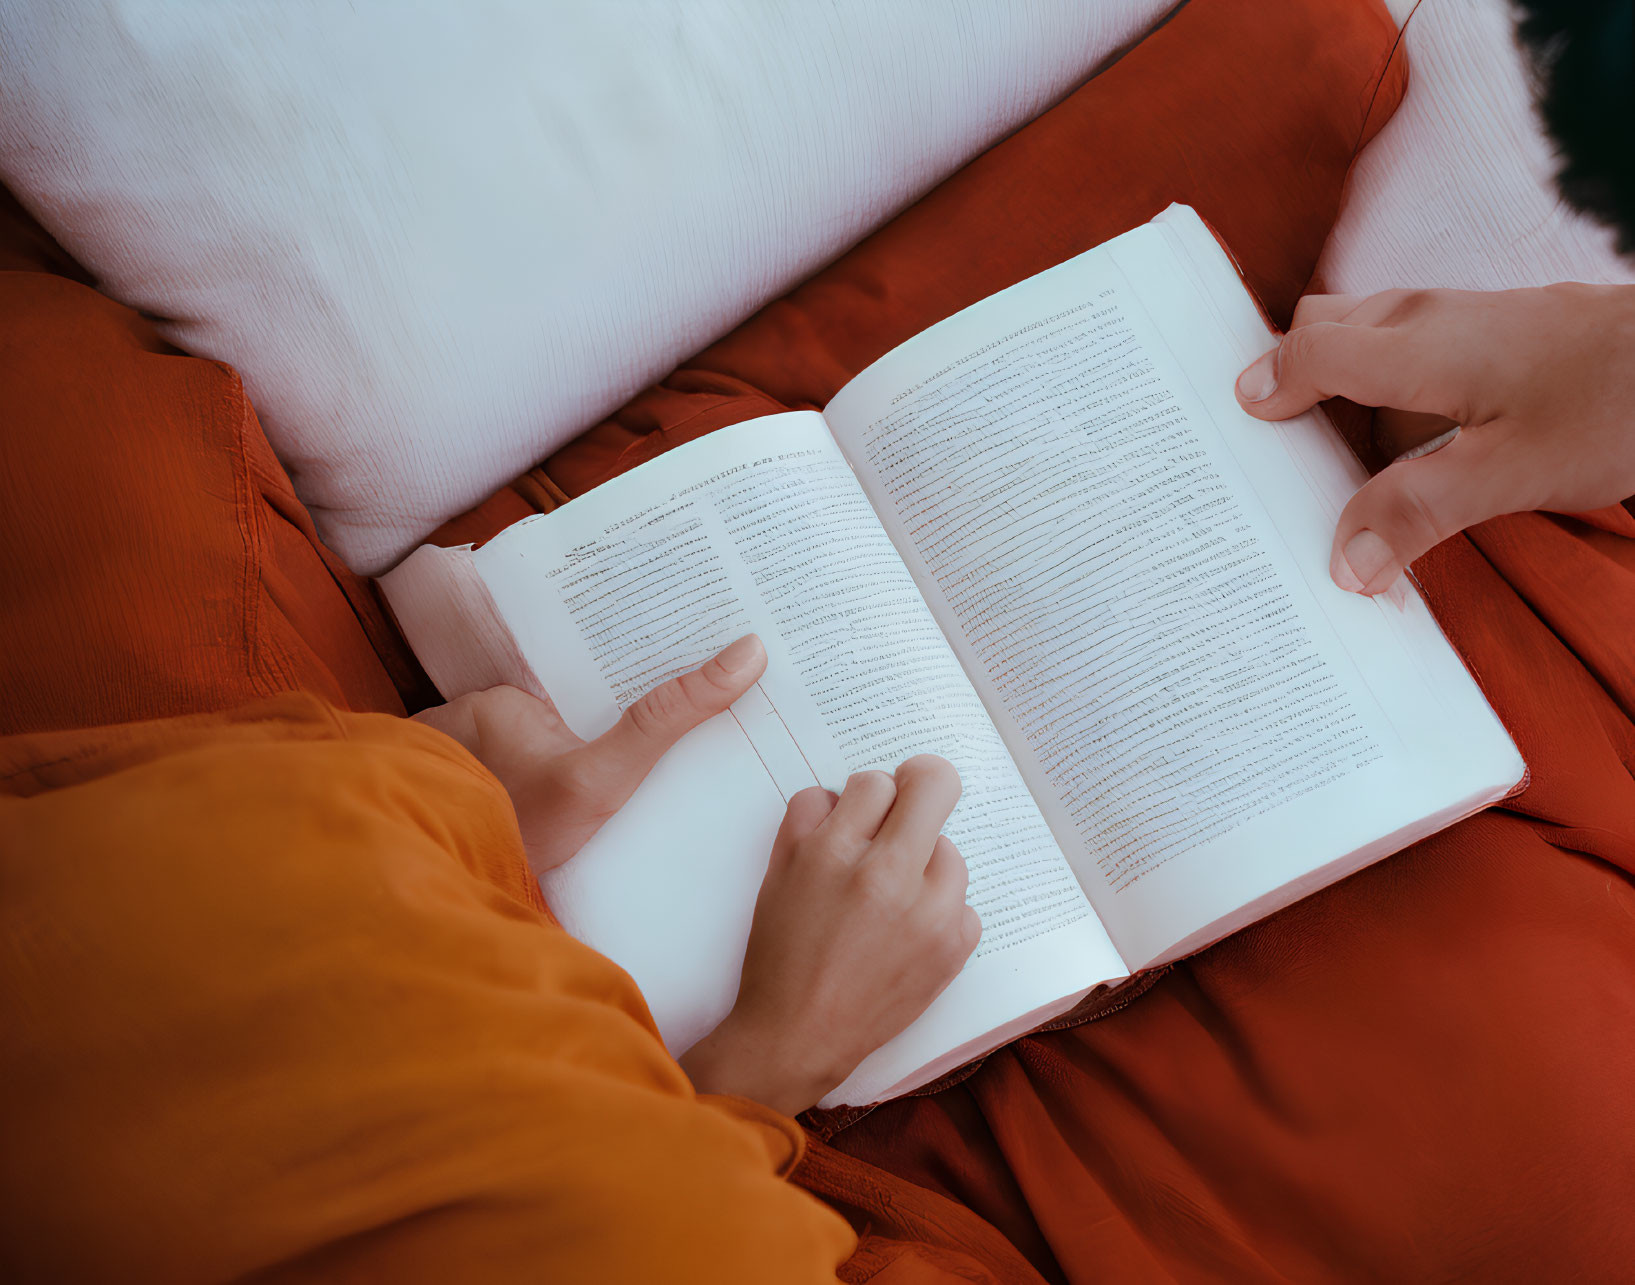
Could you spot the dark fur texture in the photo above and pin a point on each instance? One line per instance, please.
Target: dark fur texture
(1583, 54)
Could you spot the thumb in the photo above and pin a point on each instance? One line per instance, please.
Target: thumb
(1412, 506)
(628, 750)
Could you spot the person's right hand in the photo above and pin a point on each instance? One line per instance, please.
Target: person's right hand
(1540, 382)
(860, 924)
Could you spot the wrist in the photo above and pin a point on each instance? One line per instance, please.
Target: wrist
(741, 1058)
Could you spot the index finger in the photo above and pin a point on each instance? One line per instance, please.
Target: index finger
(1323, 307)
(629, 749)
(1397, 365)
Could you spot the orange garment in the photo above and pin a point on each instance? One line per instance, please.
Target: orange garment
(277, 1004)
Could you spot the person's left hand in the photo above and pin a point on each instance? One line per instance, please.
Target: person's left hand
(563, 788)
(1490, 402)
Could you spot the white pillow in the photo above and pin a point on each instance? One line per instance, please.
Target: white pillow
(440, 238)
(1456, 189)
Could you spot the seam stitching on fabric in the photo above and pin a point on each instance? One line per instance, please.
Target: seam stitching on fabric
(1379, 78)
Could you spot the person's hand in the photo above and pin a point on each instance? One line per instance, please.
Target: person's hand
(860, 924)
(1541, 384)
(563, 788)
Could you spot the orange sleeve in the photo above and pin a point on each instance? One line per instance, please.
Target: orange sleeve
(276, 1003)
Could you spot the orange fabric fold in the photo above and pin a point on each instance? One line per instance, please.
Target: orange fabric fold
(277, 1005)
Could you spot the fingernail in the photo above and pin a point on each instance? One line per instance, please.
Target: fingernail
(1260, 381)
(1365, 555)
(741, 654)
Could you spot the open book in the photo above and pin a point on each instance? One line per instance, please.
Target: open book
(1042, 540)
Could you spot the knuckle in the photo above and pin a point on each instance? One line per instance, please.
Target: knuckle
(804, 814)
(830, 851)
(872, 784)
(710, 681)
(814, 799)
(1300, 348)
(970, 928)
(881, 885)
(700, 690)
(1570, 291)
(505, 702)
(1615, 309)
(1303, 308)
(812, 851)
(658, 711)
(1408, 509)
(936, 906)
(927, 770)
(1403, 305)
(953, 942)
(577, 776)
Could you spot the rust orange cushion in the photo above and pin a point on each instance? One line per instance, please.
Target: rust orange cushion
(157, 561)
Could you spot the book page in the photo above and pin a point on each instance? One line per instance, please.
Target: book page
(762, 527)
(1134, 573)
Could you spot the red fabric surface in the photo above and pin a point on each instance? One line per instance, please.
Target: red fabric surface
(157, 561)
(1418, 1074)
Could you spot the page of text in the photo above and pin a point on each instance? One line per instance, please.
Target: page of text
(1111, 577)
(762, 527)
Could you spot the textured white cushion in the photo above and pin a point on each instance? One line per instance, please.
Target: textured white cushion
(440, 238)
(1455, 190)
